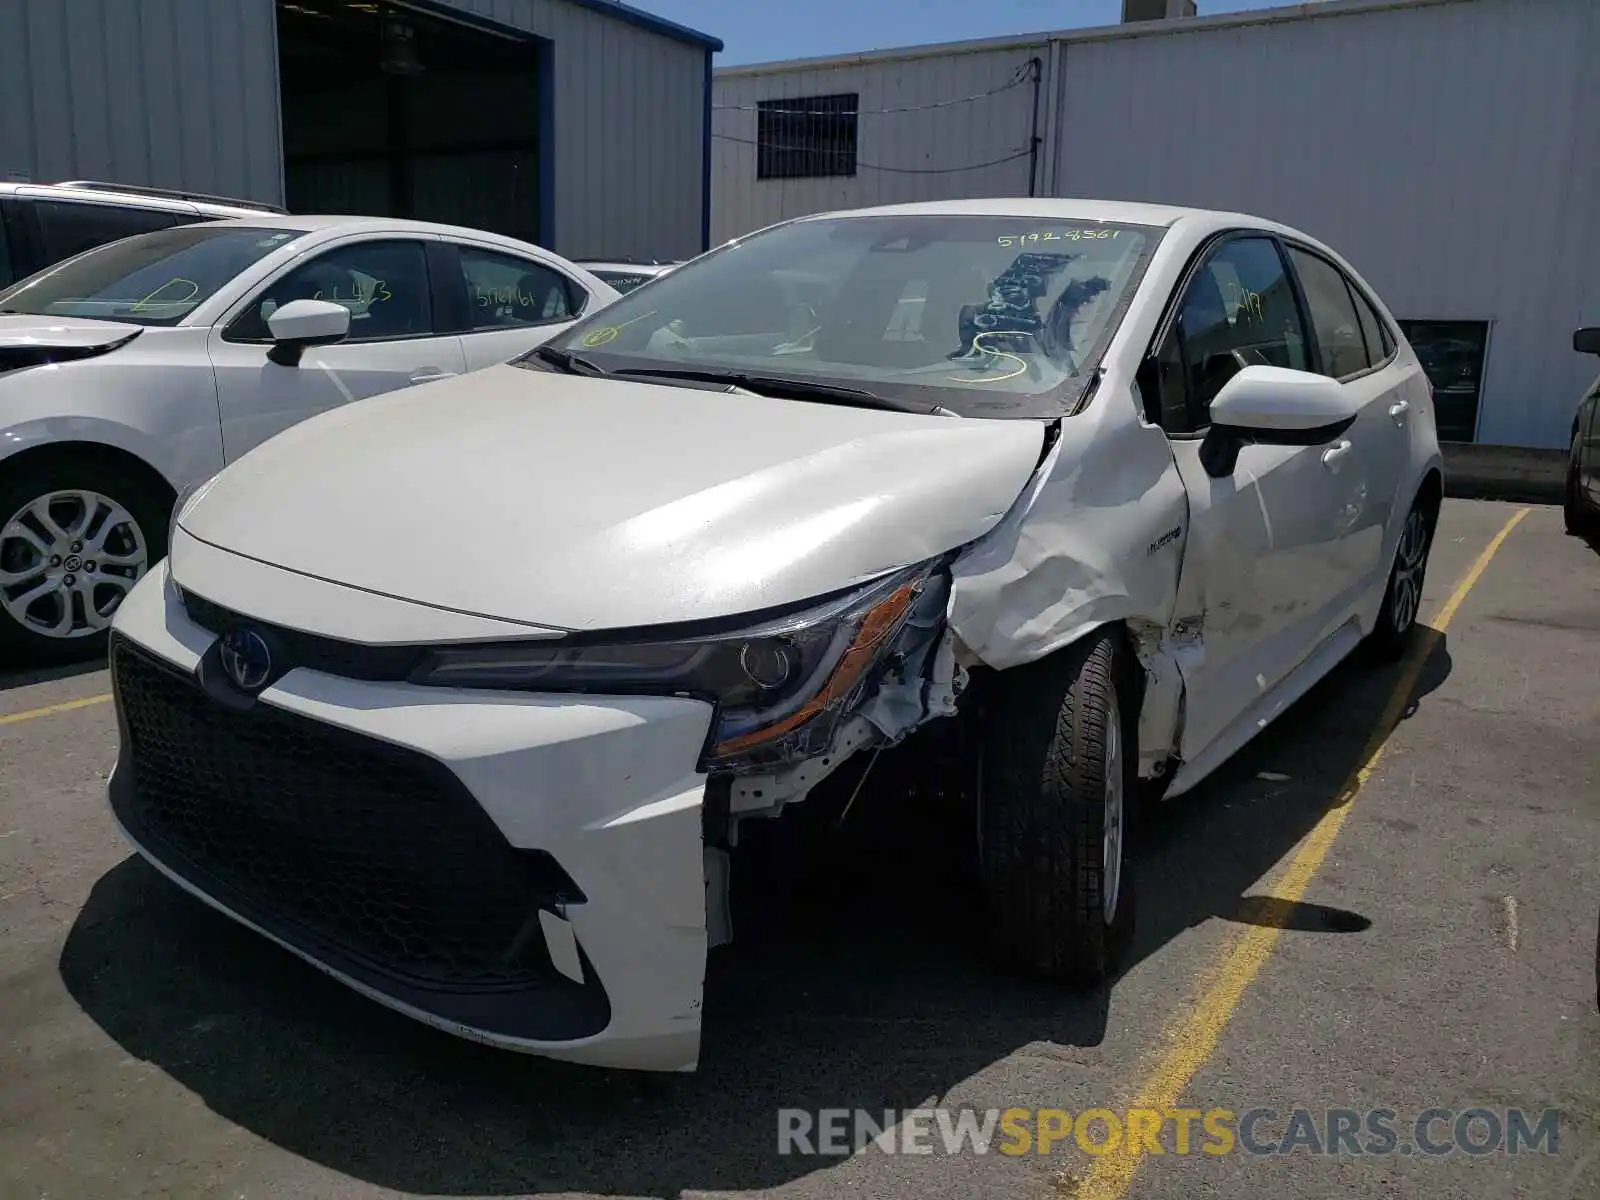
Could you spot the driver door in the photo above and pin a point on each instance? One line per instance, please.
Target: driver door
(1261, 566)
(393, 341)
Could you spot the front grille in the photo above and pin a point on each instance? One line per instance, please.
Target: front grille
(349, 660)
(352, 849)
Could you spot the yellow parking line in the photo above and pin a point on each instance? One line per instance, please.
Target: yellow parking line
(50, 710)
(1194, 1038)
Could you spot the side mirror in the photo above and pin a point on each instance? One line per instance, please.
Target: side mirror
(1586, 340)
(1274, 406)
(302, 323)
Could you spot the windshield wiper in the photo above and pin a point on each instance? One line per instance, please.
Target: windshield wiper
(783, 388)
(566, 360)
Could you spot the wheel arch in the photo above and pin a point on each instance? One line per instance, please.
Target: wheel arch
(93, 452)
(1430, 494)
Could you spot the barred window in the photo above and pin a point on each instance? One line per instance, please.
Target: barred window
(806, 137)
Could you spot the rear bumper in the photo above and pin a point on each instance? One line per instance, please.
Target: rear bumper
(521, 870)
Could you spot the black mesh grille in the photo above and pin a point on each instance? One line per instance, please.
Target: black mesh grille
(331, 840)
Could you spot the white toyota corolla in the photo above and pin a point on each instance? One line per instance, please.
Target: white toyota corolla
(463, 692)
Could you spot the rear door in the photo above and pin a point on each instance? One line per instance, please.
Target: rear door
(503, 304)
(1368, 476)
(1262, 559)
(393, 342)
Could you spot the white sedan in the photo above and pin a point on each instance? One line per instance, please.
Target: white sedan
(464, 694)
(134, 370)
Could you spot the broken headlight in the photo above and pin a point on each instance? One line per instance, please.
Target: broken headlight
(779, 688)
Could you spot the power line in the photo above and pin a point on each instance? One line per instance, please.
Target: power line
(765, 106)
(861, 166)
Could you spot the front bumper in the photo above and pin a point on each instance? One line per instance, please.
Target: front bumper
(521, 870)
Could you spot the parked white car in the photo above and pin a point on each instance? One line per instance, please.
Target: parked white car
(135, 370)
(463, 694)
(624, 275)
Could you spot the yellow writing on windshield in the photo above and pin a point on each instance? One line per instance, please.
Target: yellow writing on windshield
(1059, 235)
(1022, 363)
(608, 333)
(173, 285)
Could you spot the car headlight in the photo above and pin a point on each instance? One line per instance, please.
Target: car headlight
(185, 498)
(780, 688)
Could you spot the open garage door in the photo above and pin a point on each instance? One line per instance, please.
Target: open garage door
(390, 111)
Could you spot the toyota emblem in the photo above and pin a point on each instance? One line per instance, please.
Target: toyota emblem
(246, 658)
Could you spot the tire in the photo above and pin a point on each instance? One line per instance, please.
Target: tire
(1402, 595)
(128, 524)
(1057, 773)
(1579, 521)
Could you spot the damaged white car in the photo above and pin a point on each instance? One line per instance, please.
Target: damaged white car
(463, 693)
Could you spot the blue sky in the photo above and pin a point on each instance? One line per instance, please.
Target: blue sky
(759, 30)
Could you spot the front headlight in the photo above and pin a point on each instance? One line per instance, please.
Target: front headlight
(185, 499)
(779, 688)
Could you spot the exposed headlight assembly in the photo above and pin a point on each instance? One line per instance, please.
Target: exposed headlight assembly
(780, 688)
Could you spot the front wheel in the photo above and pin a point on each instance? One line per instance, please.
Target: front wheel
(1056, 781)
(1402, 598)
(74, 539)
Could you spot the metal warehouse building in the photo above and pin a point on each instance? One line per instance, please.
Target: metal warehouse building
(1449, 148)
(582, 125)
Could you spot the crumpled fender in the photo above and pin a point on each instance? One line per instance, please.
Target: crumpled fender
(1097, 536)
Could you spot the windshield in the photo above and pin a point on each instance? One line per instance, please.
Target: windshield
(149, 279)
(978, 314)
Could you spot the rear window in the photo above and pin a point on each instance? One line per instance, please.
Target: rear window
(622, 281)
(153, 279)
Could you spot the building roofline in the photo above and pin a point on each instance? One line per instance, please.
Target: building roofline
(647, 20)
(1309, 10)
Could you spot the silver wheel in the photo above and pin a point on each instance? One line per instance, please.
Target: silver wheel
(1409, 561)
(1111, 851)
(66, 561)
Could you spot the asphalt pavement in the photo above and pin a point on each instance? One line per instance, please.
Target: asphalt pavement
(1344, 918)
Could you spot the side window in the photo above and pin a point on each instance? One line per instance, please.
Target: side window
(505, 292)
(1239, 311)
(383, 284)
(1333, 315)
(67, 227)
(1380, 343)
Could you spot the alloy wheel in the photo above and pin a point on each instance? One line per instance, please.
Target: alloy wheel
(67, 559)
(1410, 559)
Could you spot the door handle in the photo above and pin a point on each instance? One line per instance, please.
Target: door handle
(1398, 410)
(1332, 455)
(428, 374)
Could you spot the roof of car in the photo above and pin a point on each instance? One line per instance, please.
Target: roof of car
(158, 199)
(317, 222)
(1053, 209)
(624, 266)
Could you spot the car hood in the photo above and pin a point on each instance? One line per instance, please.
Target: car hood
(27, 340)
(583, 504)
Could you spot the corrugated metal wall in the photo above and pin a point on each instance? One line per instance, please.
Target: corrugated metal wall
(924, 153)
(629, 126)
(184, 93)
(1450, 151)
(168, 93)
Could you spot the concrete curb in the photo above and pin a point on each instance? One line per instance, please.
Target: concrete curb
(1504, 473)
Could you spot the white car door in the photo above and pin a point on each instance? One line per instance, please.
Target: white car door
(1354, 348)
(393, 340)
(1261, 565)
(512, 303)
